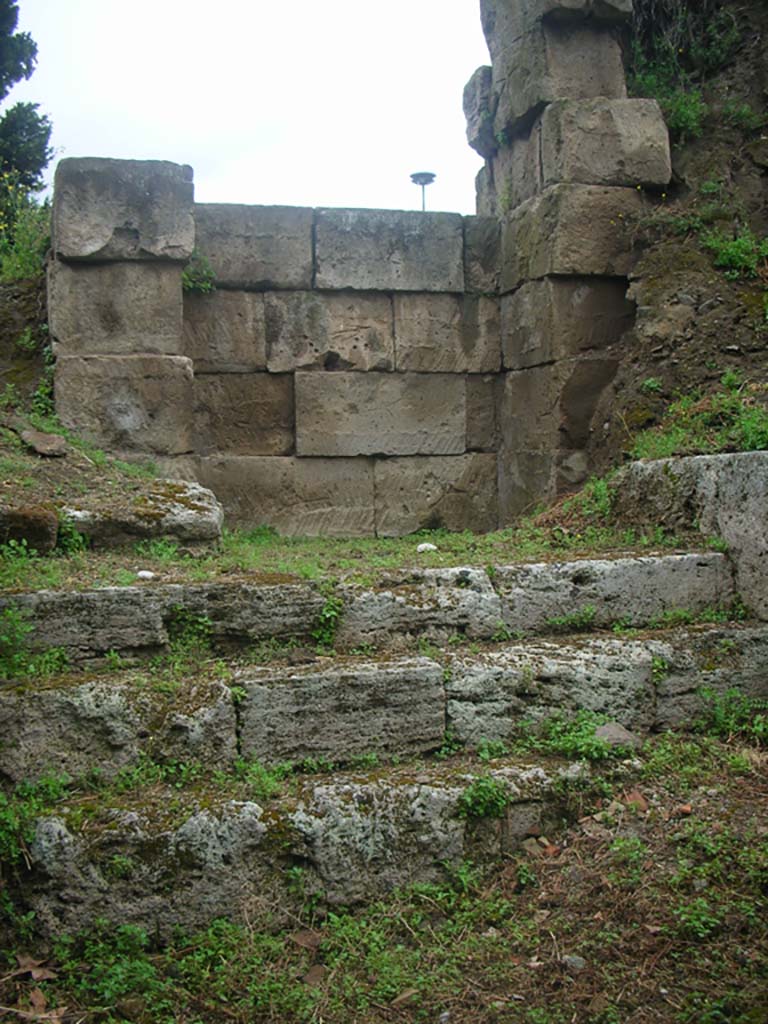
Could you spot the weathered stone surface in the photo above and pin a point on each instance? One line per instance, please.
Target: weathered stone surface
(516, 168)
(377, 413)
(341, 711)
(74, 728)
(178, 510)
(256, 247)
(389, 250)
(725, 495)
(457, 492)
(479, 108)
(123, 210)
(298, 497)
(634, 590)
(605, 142)
(329, 331)
(482, 253)
(431, 602)
(553, 62)
(35, 526)
(570, 229)
(134, 403)
(506, 20)
(50, 446)
(244, 413)
(554, 318)
(87, 624)
(483, 396)
(115, 308)
(526, 481)
(447, 333)
(224, 332)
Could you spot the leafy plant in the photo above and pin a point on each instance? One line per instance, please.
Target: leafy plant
(324, 632)
(484, 797)
(651, 386)
(580, 621)
(570, 737)
(740, 255)
(198, 275)
(19, 811)
(733, 715)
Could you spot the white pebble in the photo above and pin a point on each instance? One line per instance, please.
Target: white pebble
(145, 574)
(426, 547)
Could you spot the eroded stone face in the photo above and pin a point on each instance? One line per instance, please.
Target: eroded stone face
(123, 210)
(479, 109)
(506, 20)
(244, 413)
(224, 332)
(447, 333)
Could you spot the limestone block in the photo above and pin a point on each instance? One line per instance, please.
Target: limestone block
(636, 590)
(605, 142)
(516, 168)
(224, 332)
(526, 481)
(138, 403)
(483, 397)
(447, 333)
(528, 412)
(298, 497)
(555, 318)
(479, 108)
(506, 20)
(115, 308)
(123, 210)
(244, 414)
(389, 250)
(338, 712)
(379, 413)
(256, 247)
(482, 251)
(724, 495)
(329, 331)
(456, 492)
(421, 602)
(553, 62)
(570, 229)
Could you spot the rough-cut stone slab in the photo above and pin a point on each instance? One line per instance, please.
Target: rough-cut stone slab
(457, 492)
(516, 168)
(447, 333)
(482, 253)
(479, 108)
(634, 590)
(256, 247)
(109, 725)
(179, 510)
(506, 20)
(431, 602)
(123, 210)
(341, 711)
(224, 332)
(244, 413)
(329, 331)
(389, 250)
(605, 142)
(554, 318)
(87, 624)
(526, 481)
(553, 62)
(115, 308)
(726, 495)
(298, 497)
(378, 413)
(139, 403)
(483, 395)
(37, 526)
(570, 229)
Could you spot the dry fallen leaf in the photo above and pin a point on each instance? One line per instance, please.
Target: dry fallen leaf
(308, 938)
(405, 997)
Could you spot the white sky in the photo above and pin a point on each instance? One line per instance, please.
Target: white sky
(302, 102)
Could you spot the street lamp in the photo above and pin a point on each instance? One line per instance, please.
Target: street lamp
(423, 178)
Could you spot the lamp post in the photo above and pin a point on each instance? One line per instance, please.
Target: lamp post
(423, 178)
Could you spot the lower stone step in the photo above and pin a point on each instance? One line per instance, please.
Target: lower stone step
(346, 707)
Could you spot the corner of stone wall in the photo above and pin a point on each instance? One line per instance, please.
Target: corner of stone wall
(567, 156)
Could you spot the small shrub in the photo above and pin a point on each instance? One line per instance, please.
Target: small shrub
(327, 622)
(580, 621)
(25, 231)
(485, 797)
(198, 276)
(732, 715)
(651, 386)
(740, 255)
(571, 737)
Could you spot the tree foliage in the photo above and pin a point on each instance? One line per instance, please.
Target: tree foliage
(24, 133)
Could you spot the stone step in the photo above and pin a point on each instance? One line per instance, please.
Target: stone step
(432, 603)
(349, 706)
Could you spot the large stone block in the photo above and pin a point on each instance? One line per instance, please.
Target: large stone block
(329, 331)
(605, 142)
(123, 210)
(447, 333)
(483, 397)
(224, 332)
(554, 318)
(256, 247)
(298, 497)
(553, 62)
(131, 403)
(454, 492)
(244, 414)
(389, 250)
(526, 481)
(115, 308)
(482, 253)
(516, 168)
(504, 21)
(342, 711)
(570, 229)
(380, 414)
(479, 108)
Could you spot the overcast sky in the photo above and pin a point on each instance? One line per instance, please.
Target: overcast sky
(302, 102)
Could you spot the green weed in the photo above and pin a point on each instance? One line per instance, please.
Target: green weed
(19, 811)
(324, 632)
(198, 275)
(485, 797)
(733, 715)
(570, 737)
(580, 621)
